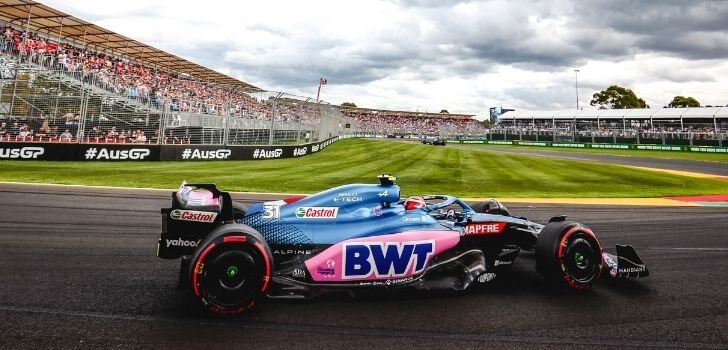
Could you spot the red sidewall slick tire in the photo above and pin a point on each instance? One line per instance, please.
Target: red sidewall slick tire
(569, 255)
(230, 269)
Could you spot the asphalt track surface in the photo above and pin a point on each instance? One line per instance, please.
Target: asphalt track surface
(78, 271)
(705, 167)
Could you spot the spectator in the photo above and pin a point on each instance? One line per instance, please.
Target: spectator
(44, 129)
(140, 137)
(24, 132)
(96, 133)
(66, 135)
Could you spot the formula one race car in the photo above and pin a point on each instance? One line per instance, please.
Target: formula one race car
(434, 141)
(363, 236)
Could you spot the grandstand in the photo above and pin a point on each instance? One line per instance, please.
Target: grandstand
(657, 118)
(705, 126)
(59, 72)
(376, 122)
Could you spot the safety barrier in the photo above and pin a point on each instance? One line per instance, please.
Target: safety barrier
(147, 152)
(673, 148)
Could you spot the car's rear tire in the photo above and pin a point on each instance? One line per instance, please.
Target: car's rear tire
(569, 255)
(230, 269)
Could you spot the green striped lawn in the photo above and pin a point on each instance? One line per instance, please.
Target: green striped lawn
(420, 169)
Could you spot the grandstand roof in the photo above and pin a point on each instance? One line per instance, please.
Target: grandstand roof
(638, 113)
(59, 26)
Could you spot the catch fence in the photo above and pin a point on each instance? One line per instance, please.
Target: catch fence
(41, 103)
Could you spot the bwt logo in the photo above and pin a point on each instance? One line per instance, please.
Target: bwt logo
(297, 152)
(190, 153)
(22, 153)
(134, 154)
(261, 153)
(385, 259)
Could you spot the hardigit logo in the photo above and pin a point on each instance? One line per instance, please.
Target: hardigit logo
(489, 228)
(297, 152)
(195, 153)
(134, 154)
(317, 212)
(23, 153)
(386, 259)
(262, 153)
(193, 215)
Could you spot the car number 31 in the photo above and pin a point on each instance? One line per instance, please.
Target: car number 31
(271, 211)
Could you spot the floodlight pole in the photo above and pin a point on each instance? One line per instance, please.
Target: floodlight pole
(576, 83)
(322, 81)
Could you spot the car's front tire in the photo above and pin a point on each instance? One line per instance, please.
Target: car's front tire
(568, 254)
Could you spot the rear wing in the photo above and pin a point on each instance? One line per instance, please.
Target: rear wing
(197, 209)
(203, 197)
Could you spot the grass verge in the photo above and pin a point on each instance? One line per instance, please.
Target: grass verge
(707, 157)
(420, 169)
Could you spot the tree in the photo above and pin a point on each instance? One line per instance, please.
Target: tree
(682, 101)
(485, 123)
(617, 97)
(444, 111)
(348, 105)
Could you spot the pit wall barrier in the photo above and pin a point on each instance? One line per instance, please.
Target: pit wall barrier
(145, 152)
(672, 148)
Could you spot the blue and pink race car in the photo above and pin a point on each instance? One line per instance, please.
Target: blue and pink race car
(364, 236)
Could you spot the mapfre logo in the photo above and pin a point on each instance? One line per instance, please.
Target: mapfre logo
(21, 153)
(94, 153)
(193, 215)
(486, 228)
(261, 153)
(194, 153)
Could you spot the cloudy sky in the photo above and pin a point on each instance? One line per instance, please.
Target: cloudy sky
(428, 55)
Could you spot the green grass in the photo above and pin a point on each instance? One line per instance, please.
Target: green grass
(420, 169)
(707, 157)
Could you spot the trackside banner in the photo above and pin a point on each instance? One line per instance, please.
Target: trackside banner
(38, 151)
(141, 152)
(118, 152)
(204, 152)
(679, 148)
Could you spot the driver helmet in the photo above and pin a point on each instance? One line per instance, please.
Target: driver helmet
(414, 202)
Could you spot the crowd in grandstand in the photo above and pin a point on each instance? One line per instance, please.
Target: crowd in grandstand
(66, 130)
(177, 93)
(158, 88)
(394, 122)
(632, 129)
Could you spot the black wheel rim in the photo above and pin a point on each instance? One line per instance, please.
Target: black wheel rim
(580, 259)
(230, 278)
